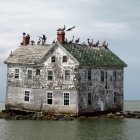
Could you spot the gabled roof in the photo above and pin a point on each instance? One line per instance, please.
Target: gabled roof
(85, 55)
(29, 54)
(95, 56)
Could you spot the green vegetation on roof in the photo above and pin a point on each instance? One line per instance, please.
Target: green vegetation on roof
(98, 56)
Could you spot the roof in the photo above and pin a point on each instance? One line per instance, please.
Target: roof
(85, 55)
(29, 54)
(97, 56)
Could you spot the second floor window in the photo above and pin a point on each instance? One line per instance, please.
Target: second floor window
(53, 59)
(89, 75)
(115, 75)
(50, 75)
(29, 74)
(16, 73)
(67, 75)
(37, 71)
(102, 76)
(64, 59)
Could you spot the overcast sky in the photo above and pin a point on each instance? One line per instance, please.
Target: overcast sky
(117, 22)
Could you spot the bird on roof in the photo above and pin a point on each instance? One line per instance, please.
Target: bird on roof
(38, 42)
(63, 29)
(32, 42)
(69, 29)
(71, 40)
(59, 29)
(104, 43)
(97, 43)
(44, 38)
(66, 40)
(77, 41)
(106, 46)
(89, 43)
(24, 33)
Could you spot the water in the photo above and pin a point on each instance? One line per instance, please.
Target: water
(87, 129)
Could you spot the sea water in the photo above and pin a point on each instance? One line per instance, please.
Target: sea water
(85, 129)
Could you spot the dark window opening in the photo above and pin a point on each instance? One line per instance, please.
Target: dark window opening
(115, 97)
(16, 73)
(67, 75)
(50, 75)
(29, 74)
(26, 97)
(53, 59)
(65, 59)
(106, 80)
(89, 98)
(110, 78)
(115, 75)
(37, 71)
(49, 98)
(89, 75)
(102, 76)
(66, 98)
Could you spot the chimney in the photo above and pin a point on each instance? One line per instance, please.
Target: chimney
(61, 37)
(26, 39)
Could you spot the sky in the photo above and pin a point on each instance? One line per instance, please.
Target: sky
(116, 21)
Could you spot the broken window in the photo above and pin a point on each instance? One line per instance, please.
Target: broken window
(37, 71)
(89, 75)
(64, 58)
(16, 73)
(102, 76)
(27, 96)
(49, 98)
(53, 59)
(115, 97)
(89, 98)
(66, 98)
(50, 75)
(29, 74)
(67, 75)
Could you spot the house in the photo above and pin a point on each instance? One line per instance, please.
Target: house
(64, 77)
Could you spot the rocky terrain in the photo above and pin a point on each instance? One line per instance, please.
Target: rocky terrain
(30, 115)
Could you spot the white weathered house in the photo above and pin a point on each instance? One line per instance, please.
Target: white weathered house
(64, 78)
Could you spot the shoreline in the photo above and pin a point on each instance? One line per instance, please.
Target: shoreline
(27, 115)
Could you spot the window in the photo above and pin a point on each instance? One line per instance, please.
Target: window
(89, 75)
(65, 59)
(29, 74)
(89, 98)
(67, 75)
(115, 97)
(85, 75)
(49, 98)
(37, 71)
(27, 95)
(66, 98)
(115, 75)
(50, 75)
(102, 76)
(53, 59)
(16, 73)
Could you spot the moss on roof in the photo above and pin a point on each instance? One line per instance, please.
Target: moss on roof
(97, 56)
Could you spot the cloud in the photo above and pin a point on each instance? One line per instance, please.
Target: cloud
(118, 22)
